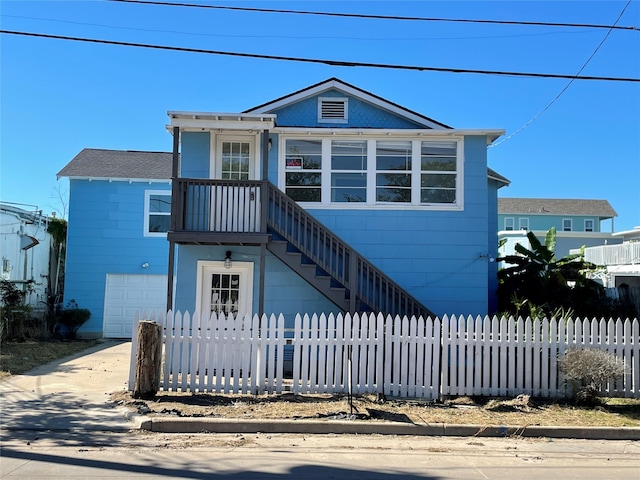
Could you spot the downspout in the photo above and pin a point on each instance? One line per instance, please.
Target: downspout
(175, 170)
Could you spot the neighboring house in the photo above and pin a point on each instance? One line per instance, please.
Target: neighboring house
(622, 261)
(116, 240)
(325, 200)
(577, 222)
(26, 253)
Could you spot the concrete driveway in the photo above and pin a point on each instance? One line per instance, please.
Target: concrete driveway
(69, 394)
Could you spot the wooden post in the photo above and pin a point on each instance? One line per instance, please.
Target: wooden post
(148, 358)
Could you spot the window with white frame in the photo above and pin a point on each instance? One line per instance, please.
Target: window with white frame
(373, 171)
(393, 171)
(523, 224)
(157, 213)
(588, 225)
(302, 165)
(509, 223)
(348, 171)
(438, 178)
(567, 225)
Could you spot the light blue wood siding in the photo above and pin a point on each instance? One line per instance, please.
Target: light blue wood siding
(361, 115)
(194, 155)
(105, 235)
(285, 291)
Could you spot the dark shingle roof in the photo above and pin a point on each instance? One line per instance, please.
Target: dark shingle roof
(554, 206)
(492, 174)
(100, 163)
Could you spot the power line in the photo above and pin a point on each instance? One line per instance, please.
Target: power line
(566, 87)
(412, 38)
(379, 17)
(334, 63)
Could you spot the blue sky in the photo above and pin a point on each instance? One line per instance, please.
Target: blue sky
(58, 97)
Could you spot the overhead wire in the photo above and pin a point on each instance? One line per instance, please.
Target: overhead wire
(566, 87)
(335, 63)
(378, 17)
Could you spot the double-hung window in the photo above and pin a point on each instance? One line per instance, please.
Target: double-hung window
(393, 171)
(348, 171)
(303, 163)
(438, 179)
(588, 225)
(157, 213)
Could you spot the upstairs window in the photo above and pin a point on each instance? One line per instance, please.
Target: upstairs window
(438, 179)
(348, 171)
(372, 171)
(157, 213)
(524, 224)
(567, 225)
(303, 163)
(588, 225)
(393, 172)
(333, 110)
(509, 223)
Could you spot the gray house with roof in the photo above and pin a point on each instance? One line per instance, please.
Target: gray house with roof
(578, 222)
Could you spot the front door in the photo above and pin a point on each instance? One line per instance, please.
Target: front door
(236, 207)
(225, 290)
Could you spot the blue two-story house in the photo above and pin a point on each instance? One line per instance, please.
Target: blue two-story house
(329, 199)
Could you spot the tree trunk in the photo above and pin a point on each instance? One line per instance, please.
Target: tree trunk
(148, 357)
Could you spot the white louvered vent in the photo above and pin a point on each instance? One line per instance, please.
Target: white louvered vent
(333, 110)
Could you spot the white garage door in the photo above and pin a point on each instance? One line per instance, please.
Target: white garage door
(127, 293)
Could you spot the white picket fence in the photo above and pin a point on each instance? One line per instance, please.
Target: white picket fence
(400, 357)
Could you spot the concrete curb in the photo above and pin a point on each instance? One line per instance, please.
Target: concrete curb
(216, 425)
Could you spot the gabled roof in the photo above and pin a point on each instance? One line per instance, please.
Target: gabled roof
(101, 163)
(554, 206)
(335, 83)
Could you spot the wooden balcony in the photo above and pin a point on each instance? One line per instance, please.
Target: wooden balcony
(218, 212)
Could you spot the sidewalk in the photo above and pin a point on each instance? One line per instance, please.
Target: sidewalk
(72, 394)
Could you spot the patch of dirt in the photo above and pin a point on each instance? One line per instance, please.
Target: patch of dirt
(17, 358)
(521, 411)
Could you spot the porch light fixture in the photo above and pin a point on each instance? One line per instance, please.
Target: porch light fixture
(227, 259)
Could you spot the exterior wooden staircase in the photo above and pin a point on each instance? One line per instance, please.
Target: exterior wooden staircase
(226, 212)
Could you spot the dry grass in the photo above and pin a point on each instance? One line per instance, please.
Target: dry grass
(20, 357)
(521, 411)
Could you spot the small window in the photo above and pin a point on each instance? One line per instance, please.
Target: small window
(509, 223)
(438, 172)
(303, 162)
(393, 172)
(567, 225)
(524, 224)
(588, 225)
(333, 110)
(348, 171)
(157, 213)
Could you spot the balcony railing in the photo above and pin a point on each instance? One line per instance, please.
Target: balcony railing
(627, 253)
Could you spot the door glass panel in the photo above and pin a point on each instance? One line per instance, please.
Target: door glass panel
(225, 293)
(235, 160)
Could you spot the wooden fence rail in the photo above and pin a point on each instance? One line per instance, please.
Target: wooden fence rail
(398, 356)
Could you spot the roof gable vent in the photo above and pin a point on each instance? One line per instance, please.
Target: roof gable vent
(333, 110)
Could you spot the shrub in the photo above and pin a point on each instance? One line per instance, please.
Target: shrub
(72, 317)
(589, 370)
